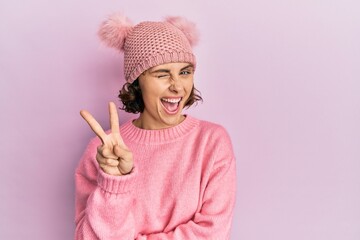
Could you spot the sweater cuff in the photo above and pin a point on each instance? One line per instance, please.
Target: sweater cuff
(117, 184)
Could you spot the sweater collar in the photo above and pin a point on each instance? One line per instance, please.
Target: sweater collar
(132, 133)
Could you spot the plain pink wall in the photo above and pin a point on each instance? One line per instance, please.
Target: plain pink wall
(282, 76)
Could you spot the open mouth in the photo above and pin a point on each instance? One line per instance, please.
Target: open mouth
(171, 105)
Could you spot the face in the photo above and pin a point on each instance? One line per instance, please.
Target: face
(165, 89)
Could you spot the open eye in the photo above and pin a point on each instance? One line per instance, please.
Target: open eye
(185, 72)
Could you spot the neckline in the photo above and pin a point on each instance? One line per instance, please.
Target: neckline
(152, 137)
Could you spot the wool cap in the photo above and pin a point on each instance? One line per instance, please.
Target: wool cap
(149, 44)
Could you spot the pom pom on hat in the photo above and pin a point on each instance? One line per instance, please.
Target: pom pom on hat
(187, 27)
(114, 30)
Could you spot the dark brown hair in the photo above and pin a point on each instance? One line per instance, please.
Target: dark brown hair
(131, 97)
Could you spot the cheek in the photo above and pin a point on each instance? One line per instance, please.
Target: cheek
(188, 86)
(151, 95)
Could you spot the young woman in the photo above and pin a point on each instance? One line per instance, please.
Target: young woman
(164, 175)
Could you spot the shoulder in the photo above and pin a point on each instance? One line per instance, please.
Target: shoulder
(215, 135)
(213, 130)
(218, 142)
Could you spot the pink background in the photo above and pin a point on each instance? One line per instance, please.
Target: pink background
(282, 76)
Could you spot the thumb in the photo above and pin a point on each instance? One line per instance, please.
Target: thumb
(122, 153)
(106, 152)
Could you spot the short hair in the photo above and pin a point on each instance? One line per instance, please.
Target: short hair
(131, 97)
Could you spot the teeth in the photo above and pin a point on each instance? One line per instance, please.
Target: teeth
(171, 100)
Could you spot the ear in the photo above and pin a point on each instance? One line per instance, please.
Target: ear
(187, 27)
(114, 31)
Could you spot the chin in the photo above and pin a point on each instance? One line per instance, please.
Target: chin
(173, 119)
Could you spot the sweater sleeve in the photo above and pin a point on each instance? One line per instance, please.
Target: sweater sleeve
(214, 219)
(103, 202)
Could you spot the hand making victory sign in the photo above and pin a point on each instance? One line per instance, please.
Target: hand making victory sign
(113, 156)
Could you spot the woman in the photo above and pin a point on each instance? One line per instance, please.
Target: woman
(164, 175)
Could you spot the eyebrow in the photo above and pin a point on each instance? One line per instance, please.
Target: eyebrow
(188, 66)
(168, 71)
(160, 70)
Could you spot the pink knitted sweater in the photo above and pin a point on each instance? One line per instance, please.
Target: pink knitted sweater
(182, 186)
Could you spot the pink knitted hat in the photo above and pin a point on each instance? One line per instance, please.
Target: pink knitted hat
(149, 44)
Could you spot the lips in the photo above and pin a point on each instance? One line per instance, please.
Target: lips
(171, 105)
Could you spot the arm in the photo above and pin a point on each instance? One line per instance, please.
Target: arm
(103, 202)
(104, 185)
(214, 219)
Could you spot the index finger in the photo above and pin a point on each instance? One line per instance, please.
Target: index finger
(114, 118)
(114, 123)
(94, 125)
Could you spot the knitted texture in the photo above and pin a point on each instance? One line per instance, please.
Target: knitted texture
(182, 186)
(149, 44)
(154, 43)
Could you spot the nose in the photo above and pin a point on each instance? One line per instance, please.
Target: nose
(175, 84)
